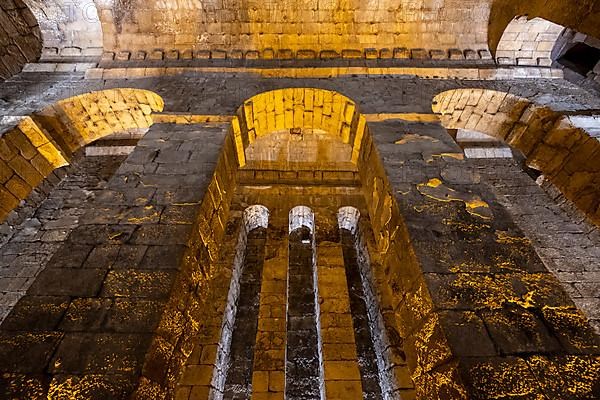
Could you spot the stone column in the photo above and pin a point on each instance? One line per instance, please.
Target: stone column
(268, 379)
(341, 369)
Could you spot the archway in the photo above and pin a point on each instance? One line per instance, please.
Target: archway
(20, 37)
(36, 145)
(550, 142)
(581, 16)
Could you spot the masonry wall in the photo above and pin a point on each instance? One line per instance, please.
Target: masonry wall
(71, 30)
(289, 28)
(20, 38)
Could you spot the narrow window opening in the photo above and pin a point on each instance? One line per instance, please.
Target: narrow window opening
(238, 382)
(371, 340)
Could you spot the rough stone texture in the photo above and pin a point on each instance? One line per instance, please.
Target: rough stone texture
(299, 26)
(528, 42)
(566, 154)
(462, 286)
(20, 38)
(70, 30)
(28, 247)
(32, 147)
(113, 299)
(153, 291)
(567, 245)
(581, 16)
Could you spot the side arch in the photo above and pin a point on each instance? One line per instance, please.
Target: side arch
(566, 154)
(32, 147)
(581, 16)
(20, 38)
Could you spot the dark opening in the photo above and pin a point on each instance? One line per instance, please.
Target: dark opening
(302, 357)
(580, 58)
(238, 384)
(367, 359)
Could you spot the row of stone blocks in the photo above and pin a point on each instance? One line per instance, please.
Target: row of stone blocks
(284, 54)
(71, 51)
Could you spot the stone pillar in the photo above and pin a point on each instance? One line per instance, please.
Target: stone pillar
(268, 380)
(481, 316)
(340, 361)
(107, 322)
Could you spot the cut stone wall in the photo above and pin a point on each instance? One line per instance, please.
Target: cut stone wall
(294, 29)
(567, 155)
(101, 319)
(568, 246)
(31, 148)
(70, 30)
(20, 38)
(448, 260)
(26, 248)
(486, 283)
(528, 42)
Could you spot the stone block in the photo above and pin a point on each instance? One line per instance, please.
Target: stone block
(218, 54)
(123, 56)
(172, 55)
(306, 54)
(101, 353)
(485, 55)
(329, 55)
(371, 54)
(107, 56)
(386, 54)
(70, 52)
(145, 284)
(438, 55)
(27, 352)
(156, 55)
(456, 54)
(471, 55)
(36, 313)
(419, 54)
(268, 54)
(285, 54)
(352, 54)
(401, 53)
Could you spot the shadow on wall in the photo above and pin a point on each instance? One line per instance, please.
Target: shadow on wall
(565, 154)
(32, 147)
(20, 38)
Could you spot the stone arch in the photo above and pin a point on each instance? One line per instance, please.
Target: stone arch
(256, 216)
(20, 37)
(32, 147)
(551, 143)
(528, 42)
(296, 109)
(302, 216)
(69, 29)
(348, 218)
(581, 16)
